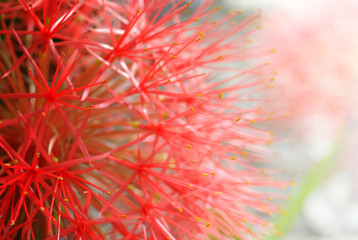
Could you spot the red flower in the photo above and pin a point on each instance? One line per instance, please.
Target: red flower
(123, 128)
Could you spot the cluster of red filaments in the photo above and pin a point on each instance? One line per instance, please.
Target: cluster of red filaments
(117, 122)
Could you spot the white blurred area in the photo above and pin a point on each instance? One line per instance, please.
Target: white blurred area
(317, 53)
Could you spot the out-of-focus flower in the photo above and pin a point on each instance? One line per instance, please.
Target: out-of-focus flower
(116, 124)
(315, 53)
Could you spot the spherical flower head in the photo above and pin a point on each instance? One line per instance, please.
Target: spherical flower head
(131, 120)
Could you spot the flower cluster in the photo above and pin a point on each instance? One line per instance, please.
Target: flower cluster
(116, 124)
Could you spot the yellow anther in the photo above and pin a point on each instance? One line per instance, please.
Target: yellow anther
(205, 174)
(7, 164)
(275, 72)
(37, 155)
(273, 50)
(180, 210)
(146, 49)
(233, 23)
(12, 222)
(292, 184)
(123, 216)
(245, 220)
(190, 185)
(262, 170)
(237, 119)
(201, 34)
(189, 146)
(219, 57)
(218, 193)
(270, 199)
(208, 225)
(175, 43)
(244, 153)
(196, 19)
(197, 218)
(49, 231)
(258, 26)
(218, 8)
(213, 22)
(55, 159)
(212, 173)
(199, 95)
(108, 192)
(192, 109)
(43, 113)
(262, 81)
(272, 79)
(24, 193)
(268, 63)
(195, 161)
(30, 70)
(239, 11)
(188, 4)
(66, 200)
(233, 158)
(42, 209)
(247, 182)
(135, 124)
(169, 80)
(253, 121)
(270, 132)
(138, 10)
(221, 95)
(271, 86)
(174, 57)
(59, 178)
(266, 223)
(198, 39)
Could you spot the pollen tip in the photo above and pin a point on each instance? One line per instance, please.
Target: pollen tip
(59, 178)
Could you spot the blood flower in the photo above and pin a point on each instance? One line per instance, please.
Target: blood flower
(116, 122)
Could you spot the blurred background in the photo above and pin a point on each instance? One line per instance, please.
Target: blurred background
(314, 58)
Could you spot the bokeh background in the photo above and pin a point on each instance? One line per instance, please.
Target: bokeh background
(314, 45)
